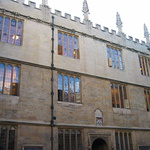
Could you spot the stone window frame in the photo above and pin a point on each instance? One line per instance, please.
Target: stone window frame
(16, 35)
(120, 98)
(147, 99)
(113, 61)
(12, 64)
(77, 96)
(144, 63)
(6, 139)
(75, 52)
(70, 132)
(124, 139)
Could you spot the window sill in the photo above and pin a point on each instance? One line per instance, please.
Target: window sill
(123, 111)
(9, 98)
(69, 103)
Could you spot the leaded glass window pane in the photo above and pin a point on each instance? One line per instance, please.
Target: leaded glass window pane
(66, 90)
(60, 44)
(117, 141)
(3, 138)
(60, 88)
(1, 25)
(18, 36)
(7, 84)
(5, 30)
(60, 140)
(1, 77)
(65, 45)
(12, 31)
(67, 141)
(79, 140)
(73, 140)
(70, 46)
(121, 141)
(72, 89)
(15, 80)
(11, 142)
(77, 89)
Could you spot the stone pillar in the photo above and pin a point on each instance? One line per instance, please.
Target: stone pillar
(20, 1)
(45, 2)
(146, 35)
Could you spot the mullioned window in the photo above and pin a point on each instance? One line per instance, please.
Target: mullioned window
(11, 30)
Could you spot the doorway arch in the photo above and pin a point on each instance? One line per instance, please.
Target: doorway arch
(99, 144)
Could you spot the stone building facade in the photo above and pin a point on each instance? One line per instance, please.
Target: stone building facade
(101, 83)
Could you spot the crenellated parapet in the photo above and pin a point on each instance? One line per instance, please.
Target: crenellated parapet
(43, 15)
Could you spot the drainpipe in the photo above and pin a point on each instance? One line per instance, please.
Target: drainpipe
(52, 87)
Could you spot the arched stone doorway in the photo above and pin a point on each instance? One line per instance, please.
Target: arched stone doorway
(99, 144)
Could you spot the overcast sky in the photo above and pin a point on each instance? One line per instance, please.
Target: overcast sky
(133, 13)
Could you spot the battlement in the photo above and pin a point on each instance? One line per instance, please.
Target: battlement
(47, 10)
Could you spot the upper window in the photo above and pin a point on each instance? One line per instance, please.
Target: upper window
(147, 99)
(7, 138)
(9, 79)
(68, 88)
(69, 140)
(114, 57)
(119, 96)
(144, 65)
(68, 45)
(10, 30)
(123, 141)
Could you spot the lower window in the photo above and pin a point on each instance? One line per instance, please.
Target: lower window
(33, 148)
(123, 141)
(69, 140)
(7, 138)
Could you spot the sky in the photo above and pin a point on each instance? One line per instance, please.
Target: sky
(133, 13)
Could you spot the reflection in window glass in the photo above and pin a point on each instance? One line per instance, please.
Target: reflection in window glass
(71, 89)
(19, 33)
(60, 88)
(9, 79)
(7, 82)
(68, 88)
(1, 77)
(65, 88)
(12, 31)
(65, 45)
(115, 58)
(60, 44)
(15, 80)
(5, 30)
(119, 95)
(77, 89)
(1, 25)
(68, 45)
